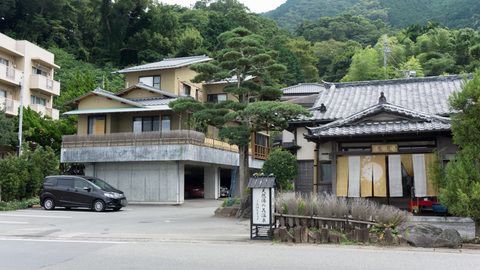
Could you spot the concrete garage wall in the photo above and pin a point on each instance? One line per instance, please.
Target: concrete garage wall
(148, 182)
(211, 182)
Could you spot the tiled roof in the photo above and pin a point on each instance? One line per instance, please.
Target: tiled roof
(153, 101)
(168, 63)
(428, 95)
(101, 92)
(148, 88)
(233, 79)
(383, 128)
(364, 123)
(307, 101)
(303, 88)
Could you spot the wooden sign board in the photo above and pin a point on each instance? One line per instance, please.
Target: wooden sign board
(385, 148)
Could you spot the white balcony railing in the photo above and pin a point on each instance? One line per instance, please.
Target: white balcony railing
(45, 84)
(10, 74)
(9, 105)
(45, 110)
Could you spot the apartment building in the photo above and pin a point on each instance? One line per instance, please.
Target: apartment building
(24, 63)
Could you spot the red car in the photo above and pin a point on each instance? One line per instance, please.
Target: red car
(192, 191)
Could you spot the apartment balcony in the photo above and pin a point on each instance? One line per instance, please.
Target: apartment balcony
(9, 105)
(177, 145)
(10, 75)
(55, 114)
(44, 84)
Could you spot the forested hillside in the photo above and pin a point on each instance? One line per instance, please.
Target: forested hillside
(454, 14)
(93, 38)
(294, 12)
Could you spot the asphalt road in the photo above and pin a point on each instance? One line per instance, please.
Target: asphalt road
(185, 237)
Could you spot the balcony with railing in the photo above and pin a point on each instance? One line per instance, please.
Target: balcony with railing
(54, 113)
(44, 84)
(9, 105)
(10, 75)
(148, 146)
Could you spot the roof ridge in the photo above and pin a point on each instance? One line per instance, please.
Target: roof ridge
(186, 57)
(399, 81)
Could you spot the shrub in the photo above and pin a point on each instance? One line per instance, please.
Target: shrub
(226, 201)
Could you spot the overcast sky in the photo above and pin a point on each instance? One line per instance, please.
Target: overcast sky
(256, 6)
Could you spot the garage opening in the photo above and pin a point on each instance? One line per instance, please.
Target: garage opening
(194, 182)
(225, 182)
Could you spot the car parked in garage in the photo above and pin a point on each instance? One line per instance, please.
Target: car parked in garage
(80, 191)
(224, 191)
(193, 191)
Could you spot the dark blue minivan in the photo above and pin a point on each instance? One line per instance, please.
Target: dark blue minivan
(80, 191)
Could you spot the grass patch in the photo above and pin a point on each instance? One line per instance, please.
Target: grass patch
(226, 202)
(16, 205)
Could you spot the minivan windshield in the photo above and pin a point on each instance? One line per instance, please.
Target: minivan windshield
(100, 183)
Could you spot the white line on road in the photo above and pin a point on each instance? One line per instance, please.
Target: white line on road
(12, 222)
(63, 241)
(37, 216)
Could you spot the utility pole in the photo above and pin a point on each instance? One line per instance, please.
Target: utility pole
(385, 51)
(20, 124)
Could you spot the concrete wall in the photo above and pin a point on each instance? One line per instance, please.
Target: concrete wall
(186, 152)
(211, 182)
(148, 182)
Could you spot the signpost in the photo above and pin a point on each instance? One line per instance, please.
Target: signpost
(262, 220)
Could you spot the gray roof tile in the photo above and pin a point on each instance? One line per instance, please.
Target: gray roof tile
(168, 63)
(383, 127)
(153, 101)
(428, 95)
(303, 88)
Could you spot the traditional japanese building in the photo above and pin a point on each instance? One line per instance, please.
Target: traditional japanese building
(378, 139)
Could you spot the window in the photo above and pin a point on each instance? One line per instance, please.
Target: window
(79, 184)
(3, 93)
(153, 81)
(261, 139)
(216, 98)
(3, 61)
(37, 100)
(186, 89)
(96, 124)
(38, 71)
(65, 182)
(145, 124)
(2, 155)
(166, 121)
(325, 172)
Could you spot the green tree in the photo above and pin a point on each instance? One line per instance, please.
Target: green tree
(8, 135)
(413, 65)
(13, 177)
(43, 130)
(306, 55)
(461, 192)
(284, 166)
(364, 67)
(189, 42)
(244, 55)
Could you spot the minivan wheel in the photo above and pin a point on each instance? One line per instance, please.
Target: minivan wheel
(49, 204)
(98, 206)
